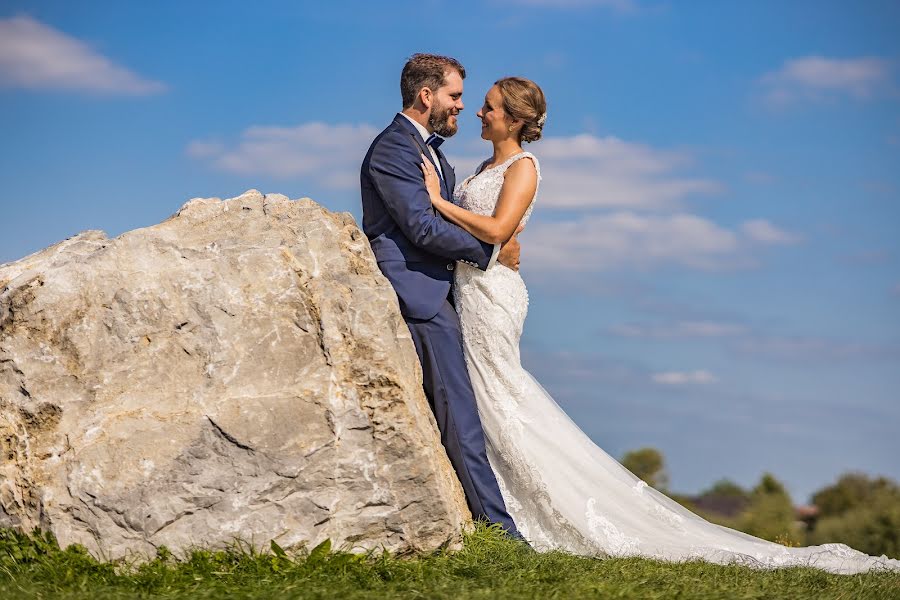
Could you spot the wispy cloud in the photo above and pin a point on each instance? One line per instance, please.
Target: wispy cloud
(567, 367)
(579, 173)
(329, 155)
(36, 56)
(744, 341)
(582, 175)
(762, 231)
(627, 202)
(639, 241)
(878, 256)
(684, 377)
(819, 78)
(678, 330)
(813, 349)
(589, 172)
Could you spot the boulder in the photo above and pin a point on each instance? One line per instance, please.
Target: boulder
(239, 371)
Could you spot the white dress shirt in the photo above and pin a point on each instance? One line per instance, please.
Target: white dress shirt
(424, 133)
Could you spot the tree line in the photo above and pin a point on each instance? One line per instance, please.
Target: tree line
(858, 510)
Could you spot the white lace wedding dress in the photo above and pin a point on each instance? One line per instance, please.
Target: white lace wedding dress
(562, 490)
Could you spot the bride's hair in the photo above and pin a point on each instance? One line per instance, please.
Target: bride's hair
(524, 100)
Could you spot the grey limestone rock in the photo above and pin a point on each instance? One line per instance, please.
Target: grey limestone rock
(239, 371)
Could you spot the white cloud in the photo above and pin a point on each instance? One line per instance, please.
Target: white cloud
(817, 78)
(679, 330)
(626, 239)
(814, 349)
(585, 171)
(36, 56)
(684, 377)
(578, 173)
(633, 240)
(629, 199)
(760, 230)
(330, 155)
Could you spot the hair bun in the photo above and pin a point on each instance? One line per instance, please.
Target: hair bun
(524, 100)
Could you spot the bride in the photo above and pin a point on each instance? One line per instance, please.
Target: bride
(562, 490)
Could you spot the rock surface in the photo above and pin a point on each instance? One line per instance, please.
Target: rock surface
(239, 371)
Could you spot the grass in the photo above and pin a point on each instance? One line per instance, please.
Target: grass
(489, 566)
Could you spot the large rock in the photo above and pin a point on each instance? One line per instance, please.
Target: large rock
(239, 371)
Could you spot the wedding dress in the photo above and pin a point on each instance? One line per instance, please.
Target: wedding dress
(562, 490)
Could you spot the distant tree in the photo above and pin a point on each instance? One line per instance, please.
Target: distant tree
(769, 486)
(770, 513)
(723, 501)
(861, 512)
(873, 528)
(850, 490)
(726, 488)
(649, 465)
(684, 500)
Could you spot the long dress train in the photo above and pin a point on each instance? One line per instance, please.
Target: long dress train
(562, 490)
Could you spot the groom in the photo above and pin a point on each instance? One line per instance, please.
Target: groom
(417, 249)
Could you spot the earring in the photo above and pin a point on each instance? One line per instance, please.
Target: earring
(510, 128)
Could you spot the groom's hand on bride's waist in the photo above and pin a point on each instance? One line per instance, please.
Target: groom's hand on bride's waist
(509, 251)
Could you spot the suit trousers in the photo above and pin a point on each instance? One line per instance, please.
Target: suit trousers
(438, 343)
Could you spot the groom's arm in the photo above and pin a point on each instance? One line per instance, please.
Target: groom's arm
(395, 172)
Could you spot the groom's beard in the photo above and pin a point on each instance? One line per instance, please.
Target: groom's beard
(439, 120)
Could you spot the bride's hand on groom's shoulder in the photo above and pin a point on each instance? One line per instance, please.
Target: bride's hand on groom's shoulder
(432, 180)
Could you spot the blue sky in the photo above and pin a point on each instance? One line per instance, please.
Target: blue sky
(714, 261)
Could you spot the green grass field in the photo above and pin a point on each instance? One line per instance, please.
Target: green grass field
(487, 567)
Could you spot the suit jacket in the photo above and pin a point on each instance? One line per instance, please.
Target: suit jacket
(416, 248)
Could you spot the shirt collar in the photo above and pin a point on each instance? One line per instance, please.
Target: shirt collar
(422, 131)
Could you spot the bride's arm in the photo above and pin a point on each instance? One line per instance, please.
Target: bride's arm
(519, 185)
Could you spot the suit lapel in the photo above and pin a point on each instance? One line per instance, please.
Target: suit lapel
(423, 148)
(414, 134)
(448, 181)
(449, 175)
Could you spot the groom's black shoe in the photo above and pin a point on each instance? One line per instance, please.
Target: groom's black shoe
(516, 537)
(509, 533)
(520, 541)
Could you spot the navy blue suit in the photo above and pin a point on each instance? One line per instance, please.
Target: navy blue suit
(417, 249)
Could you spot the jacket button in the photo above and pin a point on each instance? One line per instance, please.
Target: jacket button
(450, 267)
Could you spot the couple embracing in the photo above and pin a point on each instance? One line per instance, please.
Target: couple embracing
(451, 254)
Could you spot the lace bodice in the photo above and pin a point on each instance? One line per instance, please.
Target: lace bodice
(479, 193)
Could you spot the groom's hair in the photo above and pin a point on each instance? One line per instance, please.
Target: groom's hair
(426, 70)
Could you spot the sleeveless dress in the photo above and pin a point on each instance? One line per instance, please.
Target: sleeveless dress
(562, 490)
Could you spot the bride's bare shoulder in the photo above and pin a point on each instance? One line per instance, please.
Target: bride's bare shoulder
(523, 170)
